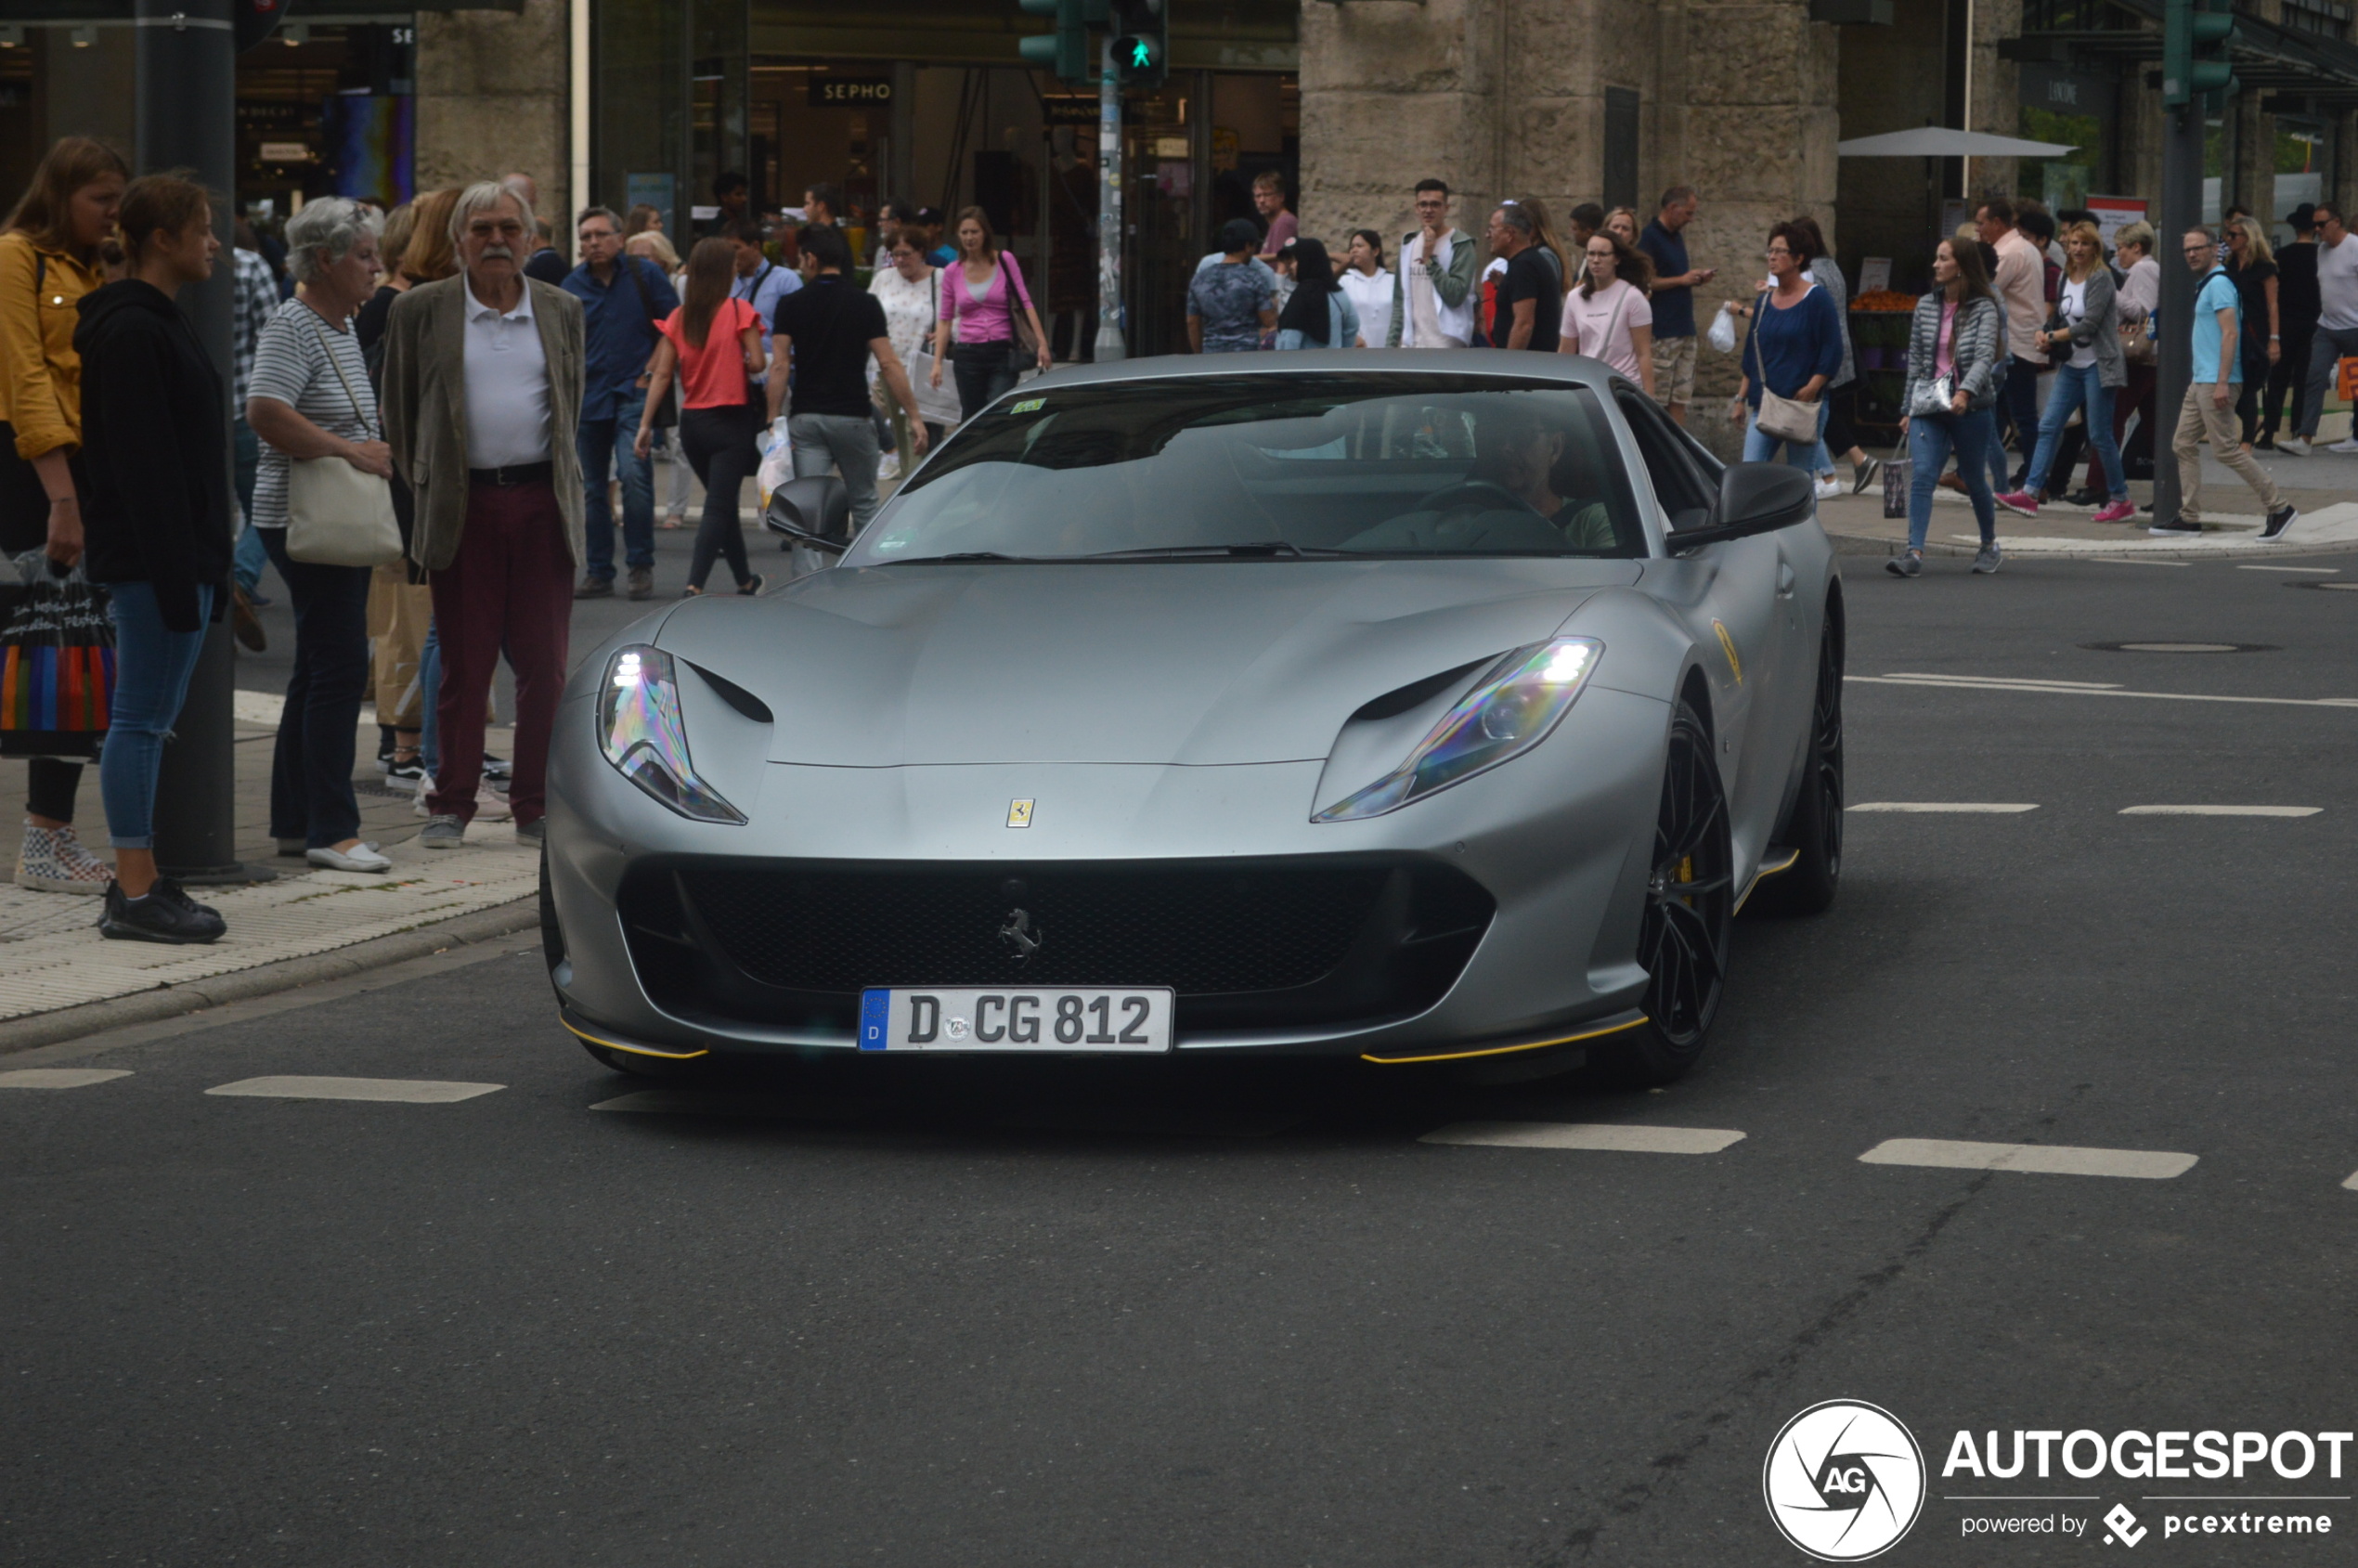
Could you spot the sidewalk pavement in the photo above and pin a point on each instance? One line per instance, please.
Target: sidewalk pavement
(59, 978)
(2325, 486)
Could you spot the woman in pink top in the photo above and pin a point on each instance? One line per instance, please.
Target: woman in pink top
(1607, 317)
(979, 298)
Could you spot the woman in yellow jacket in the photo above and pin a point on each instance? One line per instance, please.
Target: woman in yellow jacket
(48, 260)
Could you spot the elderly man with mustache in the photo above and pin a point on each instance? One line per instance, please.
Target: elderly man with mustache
(482, 377)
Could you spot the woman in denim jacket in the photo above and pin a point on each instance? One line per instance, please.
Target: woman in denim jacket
(1958, 333)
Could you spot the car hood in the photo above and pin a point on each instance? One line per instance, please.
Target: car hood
(1198, 663)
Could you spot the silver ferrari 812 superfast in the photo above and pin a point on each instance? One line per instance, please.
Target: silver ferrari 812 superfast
(1406, 707)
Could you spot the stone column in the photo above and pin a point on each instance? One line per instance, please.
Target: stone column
(493, 93)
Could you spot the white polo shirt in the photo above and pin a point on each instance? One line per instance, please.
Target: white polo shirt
(507, 385)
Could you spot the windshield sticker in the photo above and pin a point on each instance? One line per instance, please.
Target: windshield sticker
(1030, 406)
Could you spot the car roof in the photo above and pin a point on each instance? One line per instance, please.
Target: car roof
(1572, 370)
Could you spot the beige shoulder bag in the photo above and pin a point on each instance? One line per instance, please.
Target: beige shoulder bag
(337, 515)
(1788, 419)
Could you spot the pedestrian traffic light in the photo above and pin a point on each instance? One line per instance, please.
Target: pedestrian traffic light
(2196, 36)
(1064, 51)
(1142, 41)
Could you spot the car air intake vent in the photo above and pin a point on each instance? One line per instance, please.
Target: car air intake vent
(1204, 931)
(1414, 694)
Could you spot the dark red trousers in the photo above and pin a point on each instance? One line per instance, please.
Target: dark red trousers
(511, 588)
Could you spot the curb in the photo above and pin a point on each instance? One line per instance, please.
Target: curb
(170, 1002)
(1876, 545)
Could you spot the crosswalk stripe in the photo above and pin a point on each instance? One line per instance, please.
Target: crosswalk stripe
(1978, 808)
(2040, 1159)
(2352, 1183)
(59, 1077)
(411, 1091)
(1619, 1137)
(2220, 810)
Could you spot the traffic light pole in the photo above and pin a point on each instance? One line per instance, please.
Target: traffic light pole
(1110, 344)
(2182, 139)
(186, 63)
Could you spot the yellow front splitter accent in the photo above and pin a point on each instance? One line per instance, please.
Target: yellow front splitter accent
(1767, 868)
(634, 1050)
(1617, 1026)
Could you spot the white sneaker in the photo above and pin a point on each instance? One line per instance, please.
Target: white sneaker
(360, 857)
(1829, 488)
(425, 788)
(491, 805)
(54, 860)
(2349, 446)
(2292, 447)
(889, 468)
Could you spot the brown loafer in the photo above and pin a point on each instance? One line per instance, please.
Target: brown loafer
(642, 582)
(245, 624)
(595, 588)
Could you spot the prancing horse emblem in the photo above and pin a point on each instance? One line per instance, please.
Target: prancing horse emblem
(1021, 941)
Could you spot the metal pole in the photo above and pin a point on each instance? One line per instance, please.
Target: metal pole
(1110, 342)
(186, 89)
(2182, 137)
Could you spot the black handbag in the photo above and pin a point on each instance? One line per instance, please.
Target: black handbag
(666, 412)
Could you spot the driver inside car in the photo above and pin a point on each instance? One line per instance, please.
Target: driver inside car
(1510, 500)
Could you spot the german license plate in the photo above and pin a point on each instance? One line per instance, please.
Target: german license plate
(1009, 1018)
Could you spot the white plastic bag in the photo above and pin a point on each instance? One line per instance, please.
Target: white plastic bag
(777, 461)
(1723, 331)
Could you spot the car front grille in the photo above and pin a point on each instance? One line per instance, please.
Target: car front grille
(1245, 946)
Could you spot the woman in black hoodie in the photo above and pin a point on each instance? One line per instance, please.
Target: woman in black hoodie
(155, 439)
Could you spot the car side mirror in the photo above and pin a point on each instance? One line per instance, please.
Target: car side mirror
(1755, 498)
(815, 511)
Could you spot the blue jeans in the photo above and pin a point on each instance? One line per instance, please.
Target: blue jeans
(311, 768)
(2018, 393)
(430, 692)
(596, 441)
(1930, 440)
(247, 448)
(2076, 384)
(152, 665)
(1803, 455)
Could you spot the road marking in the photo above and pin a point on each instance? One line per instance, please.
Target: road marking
(411, 1091)
(2220, 810)
(2133, 560)
(1616, 1136)
(2327, 571)
(59, 1077)
(1992, 683)
(2352, 1183)
(2177, 647)
(1980, 808)
(2341, 588)
(2042, 1159)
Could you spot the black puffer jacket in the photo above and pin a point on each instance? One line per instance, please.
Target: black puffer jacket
(156, 440)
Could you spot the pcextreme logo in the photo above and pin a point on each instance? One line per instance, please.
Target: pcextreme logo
(1844, 1481)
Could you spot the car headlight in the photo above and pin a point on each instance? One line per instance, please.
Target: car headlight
(641, 732)
(1510, 709)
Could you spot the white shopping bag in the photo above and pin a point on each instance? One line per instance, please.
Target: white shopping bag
(777, 461)
(1723, 331)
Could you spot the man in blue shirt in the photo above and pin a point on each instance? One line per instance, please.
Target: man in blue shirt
(2209, 412)
(760, 282)
(622, 298)
(1665, 243)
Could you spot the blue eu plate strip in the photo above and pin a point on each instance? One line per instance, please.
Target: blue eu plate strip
(875, 1011)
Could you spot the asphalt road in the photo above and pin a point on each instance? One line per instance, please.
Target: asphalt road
(1222, 1317)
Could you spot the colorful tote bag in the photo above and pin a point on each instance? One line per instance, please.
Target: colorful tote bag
(57, 665)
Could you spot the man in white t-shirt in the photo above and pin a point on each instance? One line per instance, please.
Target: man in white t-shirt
(2336, 336)
(2021, 283)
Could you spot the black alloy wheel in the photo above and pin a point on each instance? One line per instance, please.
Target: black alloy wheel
(1815, 827)
(1691, 897)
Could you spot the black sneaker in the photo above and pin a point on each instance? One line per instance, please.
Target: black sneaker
(408, 772)
(166, 914)
(2278, 521)
(495, 767)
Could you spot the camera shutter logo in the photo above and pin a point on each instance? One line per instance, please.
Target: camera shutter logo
(1844, 1481)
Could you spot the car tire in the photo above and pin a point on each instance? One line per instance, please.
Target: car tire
(1815, 828)
(1683, 936)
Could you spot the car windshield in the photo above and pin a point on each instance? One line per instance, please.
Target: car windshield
(1271, 467)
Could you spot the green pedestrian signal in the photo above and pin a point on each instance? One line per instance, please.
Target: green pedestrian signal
(1142, 41)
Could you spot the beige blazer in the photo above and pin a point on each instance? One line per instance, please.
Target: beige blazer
(425, 406)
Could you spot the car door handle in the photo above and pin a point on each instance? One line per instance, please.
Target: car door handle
(1785, 580)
